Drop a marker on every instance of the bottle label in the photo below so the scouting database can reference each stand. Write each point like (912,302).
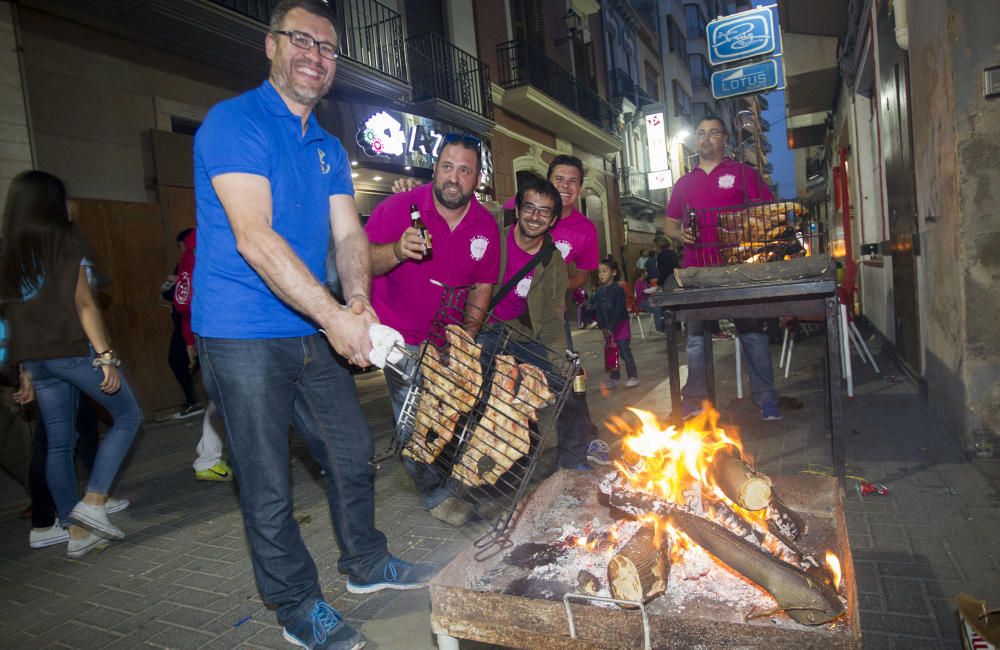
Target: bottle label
(580,383)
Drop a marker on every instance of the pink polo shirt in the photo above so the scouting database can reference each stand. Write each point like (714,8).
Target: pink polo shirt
(723,188)
(576,238)
(405,298)
(515,302)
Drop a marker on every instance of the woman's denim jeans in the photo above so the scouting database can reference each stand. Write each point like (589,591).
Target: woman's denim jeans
(260,387)
(58,383)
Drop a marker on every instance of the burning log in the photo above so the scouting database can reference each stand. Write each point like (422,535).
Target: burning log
(800,595)
(788,523)
(639,571)
(741,483)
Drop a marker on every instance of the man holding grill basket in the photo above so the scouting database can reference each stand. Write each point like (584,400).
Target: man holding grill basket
(718,182)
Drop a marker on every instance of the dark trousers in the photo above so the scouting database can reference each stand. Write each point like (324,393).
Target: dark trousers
(178,359)
(43,508)
(260,387)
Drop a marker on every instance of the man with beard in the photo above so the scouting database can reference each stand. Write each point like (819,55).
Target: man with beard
(406,289)
(717,182)
(272,187)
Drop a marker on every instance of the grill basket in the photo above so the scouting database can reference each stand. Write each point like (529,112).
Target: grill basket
(478,414)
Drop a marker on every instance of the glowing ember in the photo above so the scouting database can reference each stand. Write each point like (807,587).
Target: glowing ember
(833,564)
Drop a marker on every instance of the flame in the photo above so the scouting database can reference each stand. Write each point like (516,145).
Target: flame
(833,564)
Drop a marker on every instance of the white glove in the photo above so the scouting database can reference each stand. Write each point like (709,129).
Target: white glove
(387,345)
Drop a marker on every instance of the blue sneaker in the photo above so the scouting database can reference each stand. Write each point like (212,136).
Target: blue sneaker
(323,628)
(690,408)
(770,411)
(396,574)
(597,452)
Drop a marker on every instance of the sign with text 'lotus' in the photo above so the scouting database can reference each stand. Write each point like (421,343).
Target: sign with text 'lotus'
(745,35)
(746,79)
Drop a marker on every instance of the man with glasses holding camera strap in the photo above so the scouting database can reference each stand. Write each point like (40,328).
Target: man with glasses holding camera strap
(406,288)
(718,182)
(272,188)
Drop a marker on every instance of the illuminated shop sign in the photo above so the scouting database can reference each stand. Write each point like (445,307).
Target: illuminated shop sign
(656,142)
(410,140)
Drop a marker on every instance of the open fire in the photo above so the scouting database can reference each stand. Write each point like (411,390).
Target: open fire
(697,490)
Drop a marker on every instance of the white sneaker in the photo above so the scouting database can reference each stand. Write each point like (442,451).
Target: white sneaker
(113,505)
(42,537)
(95,519)
(632,382)
(84,545)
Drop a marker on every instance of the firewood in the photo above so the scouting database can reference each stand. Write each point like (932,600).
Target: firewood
(788,522)
(800,595)
(741,483)
(639,571)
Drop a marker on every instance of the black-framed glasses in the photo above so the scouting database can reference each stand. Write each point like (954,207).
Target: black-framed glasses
(304,41)
(711,133)
(528,209)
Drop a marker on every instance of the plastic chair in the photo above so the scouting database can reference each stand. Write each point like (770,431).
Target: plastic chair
(848,333)
(636,314)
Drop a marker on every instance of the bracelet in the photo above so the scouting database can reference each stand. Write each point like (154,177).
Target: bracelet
(106,358)
(396,253)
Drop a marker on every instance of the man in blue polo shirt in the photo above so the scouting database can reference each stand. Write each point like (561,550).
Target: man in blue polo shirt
(272,187)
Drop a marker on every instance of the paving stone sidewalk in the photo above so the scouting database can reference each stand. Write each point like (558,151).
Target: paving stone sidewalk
(182,578)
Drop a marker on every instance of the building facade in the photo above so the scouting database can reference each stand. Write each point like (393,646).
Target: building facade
(896,120)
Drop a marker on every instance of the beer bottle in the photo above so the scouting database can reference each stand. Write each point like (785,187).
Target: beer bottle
(691,223)
(579,381)
(418,223)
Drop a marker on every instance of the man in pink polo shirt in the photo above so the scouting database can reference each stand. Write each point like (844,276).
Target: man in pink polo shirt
(718,182)
(574,234)
(465,247)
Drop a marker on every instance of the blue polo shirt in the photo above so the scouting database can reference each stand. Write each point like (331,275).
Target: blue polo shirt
(255,133)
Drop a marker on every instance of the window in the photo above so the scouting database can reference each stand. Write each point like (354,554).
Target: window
(678,43)
(695,21)
(652,83)
(700,75)
(682,102)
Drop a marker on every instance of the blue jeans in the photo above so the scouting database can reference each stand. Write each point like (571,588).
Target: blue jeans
(755,351)
(574,429)
(432,486)
(260,386)
(58,383)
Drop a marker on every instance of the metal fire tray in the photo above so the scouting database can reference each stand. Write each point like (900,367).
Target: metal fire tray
(486,600)
(478,414)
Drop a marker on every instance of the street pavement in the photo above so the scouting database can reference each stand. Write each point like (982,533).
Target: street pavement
(182,578)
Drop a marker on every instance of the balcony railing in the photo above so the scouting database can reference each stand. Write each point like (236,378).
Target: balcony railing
(633,183)
(520,64)
(370,33)
(623,86)
(439,70)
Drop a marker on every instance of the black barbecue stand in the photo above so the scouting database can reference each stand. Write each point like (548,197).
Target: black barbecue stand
(813,298)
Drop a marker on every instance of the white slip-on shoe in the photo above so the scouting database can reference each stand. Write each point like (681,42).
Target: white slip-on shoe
(86,544)
(42,537)
(95,519)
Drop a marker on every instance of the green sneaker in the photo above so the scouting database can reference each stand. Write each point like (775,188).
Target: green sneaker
(218,472)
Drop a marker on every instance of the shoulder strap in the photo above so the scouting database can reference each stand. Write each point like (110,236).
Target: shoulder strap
(544,256)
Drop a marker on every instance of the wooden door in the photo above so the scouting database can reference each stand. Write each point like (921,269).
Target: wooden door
(897,152)
(128,243)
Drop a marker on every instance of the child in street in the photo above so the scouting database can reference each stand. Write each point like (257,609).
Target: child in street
(612,317)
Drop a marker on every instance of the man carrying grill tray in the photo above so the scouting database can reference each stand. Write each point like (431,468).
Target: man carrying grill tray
(718,182)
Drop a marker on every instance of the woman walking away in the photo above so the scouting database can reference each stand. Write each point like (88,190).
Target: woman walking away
(56,327)
(612,318)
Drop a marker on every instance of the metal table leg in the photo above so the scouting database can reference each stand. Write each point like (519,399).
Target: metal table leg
(709,364)
(673,367)
(835,414)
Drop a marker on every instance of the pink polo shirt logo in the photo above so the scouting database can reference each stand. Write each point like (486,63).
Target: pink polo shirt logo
(523,287)
(478,246)
(564,247)
(727,181)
